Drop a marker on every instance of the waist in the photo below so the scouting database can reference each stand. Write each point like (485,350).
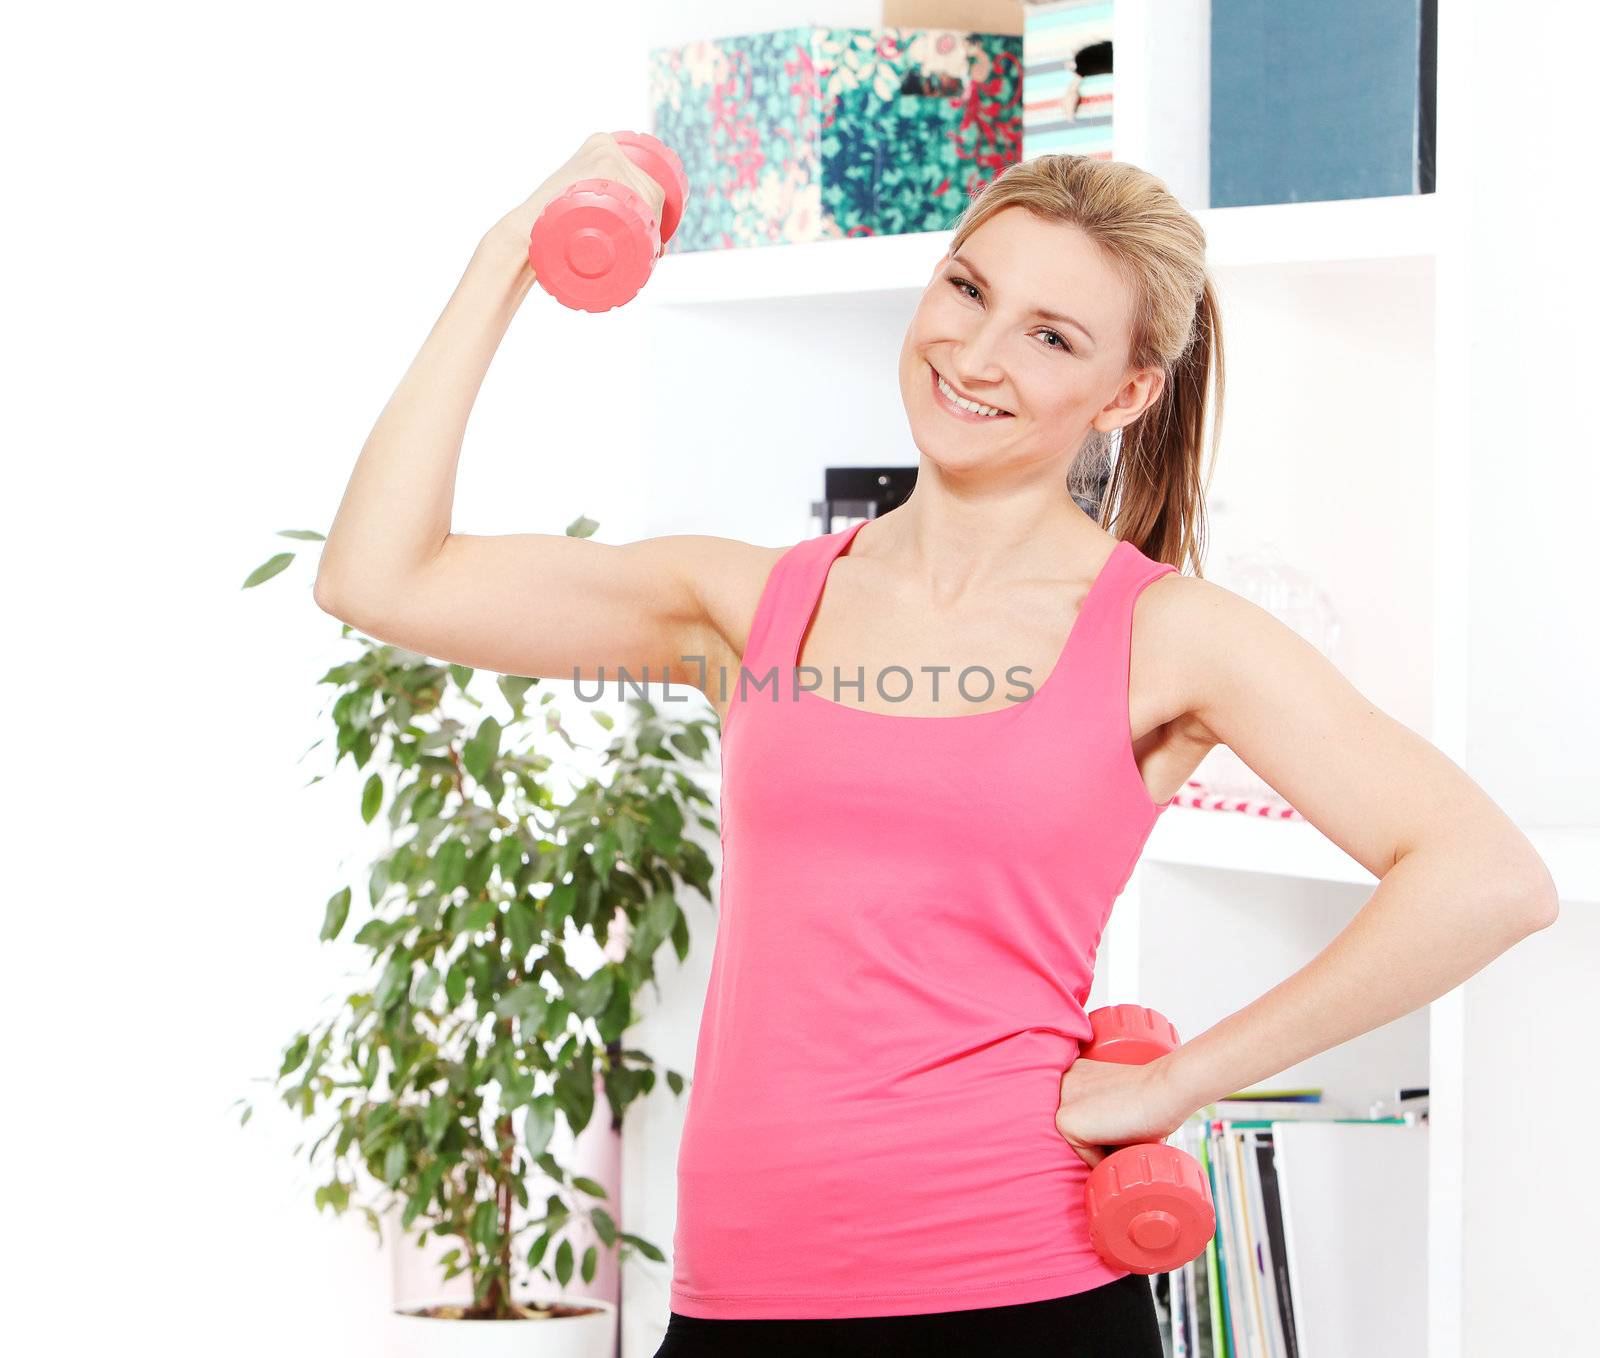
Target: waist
(942,1190)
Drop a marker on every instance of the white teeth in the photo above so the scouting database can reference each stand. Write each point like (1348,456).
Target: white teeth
(962,401)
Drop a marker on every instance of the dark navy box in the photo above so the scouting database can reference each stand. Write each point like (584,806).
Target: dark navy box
(1312,101)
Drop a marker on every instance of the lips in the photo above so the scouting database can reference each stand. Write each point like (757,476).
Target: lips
(937,376)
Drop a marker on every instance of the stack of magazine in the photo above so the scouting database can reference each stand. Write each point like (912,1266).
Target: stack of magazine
(1320,1249)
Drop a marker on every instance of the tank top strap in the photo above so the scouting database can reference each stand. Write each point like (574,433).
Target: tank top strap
(1100,658)
(788,599)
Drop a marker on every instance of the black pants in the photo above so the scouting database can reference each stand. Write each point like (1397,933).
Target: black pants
(1115,1320)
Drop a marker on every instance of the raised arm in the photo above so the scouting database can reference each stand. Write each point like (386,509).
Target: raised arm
(539,604)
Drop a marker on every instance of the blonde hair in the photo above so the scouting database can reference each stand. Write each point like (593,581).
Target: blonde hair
(1154,490)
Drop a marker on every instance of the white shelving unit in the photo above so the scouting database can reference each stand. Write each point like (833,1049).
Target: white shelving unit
(1365,400)
(1285,236)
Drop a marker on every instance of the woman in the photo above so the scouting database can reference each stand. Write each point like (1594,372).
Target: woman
(947,735)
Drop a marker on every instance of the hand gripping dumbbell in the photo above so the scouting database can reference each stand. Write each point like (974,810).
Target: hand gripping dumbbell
(594,244)
(1150,1208)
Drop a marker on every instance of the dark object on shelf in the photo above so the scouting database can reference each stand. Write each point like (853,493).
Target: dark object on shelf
(861,492)
(1095,59)
(1312,102)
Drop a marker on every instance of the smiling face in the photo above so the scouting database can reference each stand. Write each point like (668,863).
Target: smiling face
(979,326)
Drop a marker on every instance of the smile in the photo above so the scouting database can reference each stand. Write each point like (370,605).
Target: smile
(957,405)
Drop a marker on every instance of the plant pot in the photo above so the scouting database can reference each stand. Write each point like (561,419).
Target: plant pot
(590,1334)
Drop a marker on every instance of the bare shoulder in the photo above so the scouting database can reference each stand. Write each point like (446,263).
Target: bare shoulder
(729,575)
(1376,788)
(1187,634)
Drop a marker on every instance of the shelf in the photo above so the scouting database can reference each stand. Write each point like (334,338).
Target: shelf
(1273,235)
(1193,837)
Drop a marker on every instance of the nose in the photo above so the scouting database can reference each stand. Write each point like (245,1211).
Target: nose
(974,362)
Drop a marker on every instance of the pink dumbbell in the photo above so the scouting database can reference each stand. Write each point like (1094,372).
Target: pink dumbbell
(1150,1208)
(595,244)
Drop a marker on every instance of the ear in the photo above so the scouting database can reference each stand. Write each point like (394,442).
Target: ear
(1142,390)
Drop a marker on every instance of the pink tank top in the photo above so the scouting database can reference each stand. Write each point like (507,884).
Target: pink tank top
(910,911)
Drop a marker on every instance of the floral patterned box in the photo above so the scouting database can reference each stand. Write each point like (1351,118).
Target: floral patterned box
(816,133)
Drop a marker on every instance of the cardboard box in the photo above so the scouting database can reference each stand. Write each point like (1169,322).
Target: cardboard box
(815,133)
(969,16)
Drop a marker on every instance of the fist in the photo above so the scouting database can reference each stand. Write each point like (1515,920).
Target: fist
(1107,1104)
(600,157)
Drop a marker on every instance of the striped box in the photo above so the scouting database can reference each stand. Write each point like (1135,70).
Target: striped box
(1067,78)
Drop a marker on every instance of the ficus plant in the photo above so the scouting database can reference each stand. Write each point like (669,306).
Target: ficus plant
(440,1077)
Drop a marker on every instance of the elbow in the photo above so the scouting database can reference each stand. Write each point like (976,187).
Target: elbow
(327,599)
(1543,911)
(1541,898)
(342,603)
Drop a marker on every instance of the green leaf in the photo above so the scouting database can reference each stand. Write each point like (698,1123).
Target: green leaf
(527,1001)
(429,802)
(666,824)
(589,994)
(590,1259)
(574,1091)
(335,914)
(396,979)
(450,866)
(604,1226)
(479,753)
(302,534)
(480,866)
(479,915)
(436,1119)
(520,928)
(294,1053)
(539,1124)
(267,569)
(483,1230)
(371,797)
(644,1247)
(515,688)
(537,1249)
(614,1018)
(508,858)
(395,1160)
(588,1186)
(564,1263)
(581,527)
(462,674)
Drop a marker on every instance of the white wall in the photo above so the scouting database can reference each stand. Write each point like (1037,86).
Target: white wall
(231,229)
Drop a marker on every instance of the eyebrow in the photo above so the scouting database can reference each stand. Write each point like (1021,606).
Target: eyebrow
(1056,316)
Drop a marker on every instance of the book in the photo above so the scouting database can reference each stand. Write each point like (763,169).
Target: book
(1354,1196)
(1267,1168)
(1261,1245)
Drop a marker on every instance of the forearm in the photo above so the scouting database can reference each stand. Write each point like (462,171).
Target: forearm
(1431,923)
(395,514)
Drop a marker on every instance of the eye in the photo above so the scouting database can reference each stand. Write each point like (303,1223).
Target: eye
(960,284)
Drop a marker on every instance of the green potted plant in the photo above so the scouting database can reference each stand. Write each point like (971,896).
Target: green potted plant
(439,1079)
